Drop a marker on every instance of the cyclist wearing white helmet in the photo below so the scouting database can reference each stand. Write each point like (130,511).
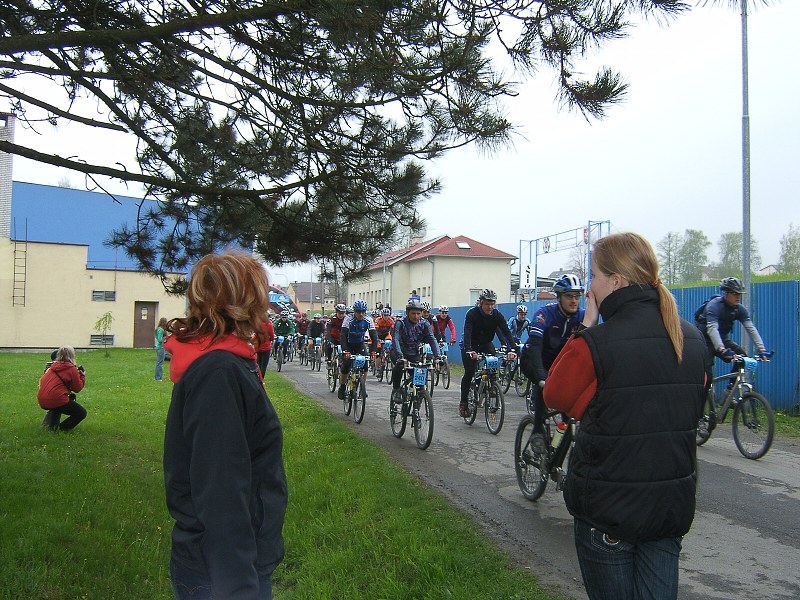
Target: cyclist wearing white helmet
(286,328)
(410,333)
(551,327)
(481,324)
(316,329)
(519,324)
(354,328)
(384,324)
(443,321)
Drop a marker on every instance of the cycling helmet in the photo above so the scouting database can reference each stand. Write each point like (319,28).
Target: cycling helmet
(444,308)
(413,305)
(386,312)
(426,306)
(523,309)
(285,314)
(487,294)
(568,283)
(317,316)
(340,308)
(349,310)
(360,305)
(732,284)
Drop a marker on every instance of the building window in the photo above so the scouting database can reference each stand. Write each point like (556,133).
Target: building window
(104,295)
(101,340)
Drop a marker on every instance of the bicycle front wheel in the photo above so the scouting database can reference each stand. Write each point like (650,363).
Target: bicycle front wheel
(333,376)
(531,468)
(494,407)
(318,358)
(423,419)
(279,358)
(707,421)
(753,425)
(359,399)
(505,378)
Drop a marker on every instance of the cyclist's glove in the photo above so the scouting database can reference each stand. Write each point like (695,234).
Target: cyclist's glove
(727,355)
(766,354)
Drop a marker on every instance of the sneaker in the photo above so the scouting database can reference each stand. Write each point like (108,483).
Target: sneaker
(463,410)
(537,443)
(341,392)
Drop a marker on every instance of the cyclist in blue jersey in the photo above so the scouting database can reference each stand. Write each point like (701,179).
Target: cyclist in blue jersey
(354,328)
(481,323)
(519,324)
(551,327)
(716,323)
(410,333)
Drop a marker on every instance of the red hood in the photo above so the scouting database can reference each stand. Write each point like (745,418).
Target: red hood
(185,353)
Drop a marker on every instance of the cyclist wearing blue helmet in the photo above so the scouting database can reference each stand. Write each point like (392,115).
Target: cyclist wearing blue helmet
(551,327)
(354,328)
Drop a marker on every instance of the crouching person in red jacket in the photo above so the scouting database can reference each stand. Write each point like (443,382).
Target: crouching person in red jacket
(57,389)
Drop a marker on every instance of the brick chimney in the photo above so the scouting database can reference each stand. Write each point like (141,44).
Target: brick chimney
(6,135)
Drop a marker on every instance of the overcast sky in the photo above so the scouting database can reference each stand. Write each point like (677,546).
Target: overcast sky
(668,158)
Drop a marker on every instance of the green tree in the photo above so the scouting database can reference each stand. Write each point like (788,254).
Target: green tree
(103,326)
(298,128)
(790,251)
(692,255)
(668,251)
(730,254)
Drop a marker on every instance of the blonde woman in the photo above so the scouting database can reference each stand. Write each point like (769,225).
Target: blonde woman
(57,389)
(636,383)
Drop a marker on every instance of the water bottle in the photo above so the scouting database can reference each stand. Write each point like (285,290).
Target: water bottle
(558,434)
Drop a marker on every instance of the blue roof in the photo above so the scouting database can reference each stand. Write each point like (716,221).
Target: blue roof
(45,213)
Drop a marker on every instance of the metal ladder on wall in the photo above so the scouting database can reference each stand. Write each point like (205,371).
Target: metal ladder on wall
(20,267)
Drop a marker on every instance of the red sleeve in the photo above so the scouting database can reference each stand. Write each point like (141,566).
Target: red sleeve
(452,329)
(76,379)
(571,382)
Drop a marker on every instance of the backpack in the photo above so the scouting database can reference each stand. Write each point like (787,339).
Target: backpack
(700,313)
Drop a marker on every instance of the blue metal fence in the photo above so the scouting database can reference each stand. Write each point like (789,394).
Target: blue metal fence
(774,308)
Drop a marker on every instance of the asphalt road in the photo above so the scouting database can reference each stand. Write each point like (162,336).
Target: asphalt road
(744,543)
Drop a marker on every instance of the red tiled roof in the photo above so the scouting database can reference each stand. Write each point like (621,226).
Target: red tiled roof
(441,246)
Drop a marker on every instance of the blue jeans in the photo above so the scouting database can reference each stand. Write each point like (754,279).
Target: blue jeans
(160,352)
(618,570)
(191,585)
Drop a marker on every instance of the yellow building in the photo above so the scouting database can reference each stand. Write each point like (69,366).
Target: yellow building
(445,270)
(49,298)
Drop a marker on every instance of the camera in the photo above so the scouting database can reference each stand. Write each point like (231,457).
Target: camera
(81,369)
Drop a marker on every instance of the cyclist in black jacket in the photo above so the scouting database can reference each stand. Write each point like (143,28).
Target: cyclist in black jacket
(481,324)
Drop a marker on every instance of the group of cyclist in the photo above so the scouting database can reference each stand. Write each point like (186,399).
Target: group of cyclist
(549,329)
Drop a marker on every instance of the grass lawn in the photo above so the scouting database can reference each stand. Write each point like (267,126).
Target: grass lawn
(82,514)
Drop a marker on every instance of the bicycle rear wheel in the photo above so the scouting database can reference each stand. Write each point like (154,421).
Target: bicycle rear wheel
(494,407)
(473,401)
(347,402)
(753,425)
(506,375)
(531,468)
(360,399)
(423,419)
(398,416)
(707,421)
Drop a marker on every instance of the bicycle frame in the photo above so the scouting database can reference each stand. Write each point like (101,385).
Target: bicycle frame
(742,384)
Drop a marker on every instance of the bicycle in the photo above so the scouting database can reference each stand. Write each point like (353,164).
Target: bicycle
(485,391)
(355,395)
(430,364)
(302,351)
(315,355)
(507,370)
(386,363)
(443,366)
(534,470)
(279,357)
(415,401)
(753,422)
(333,368)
